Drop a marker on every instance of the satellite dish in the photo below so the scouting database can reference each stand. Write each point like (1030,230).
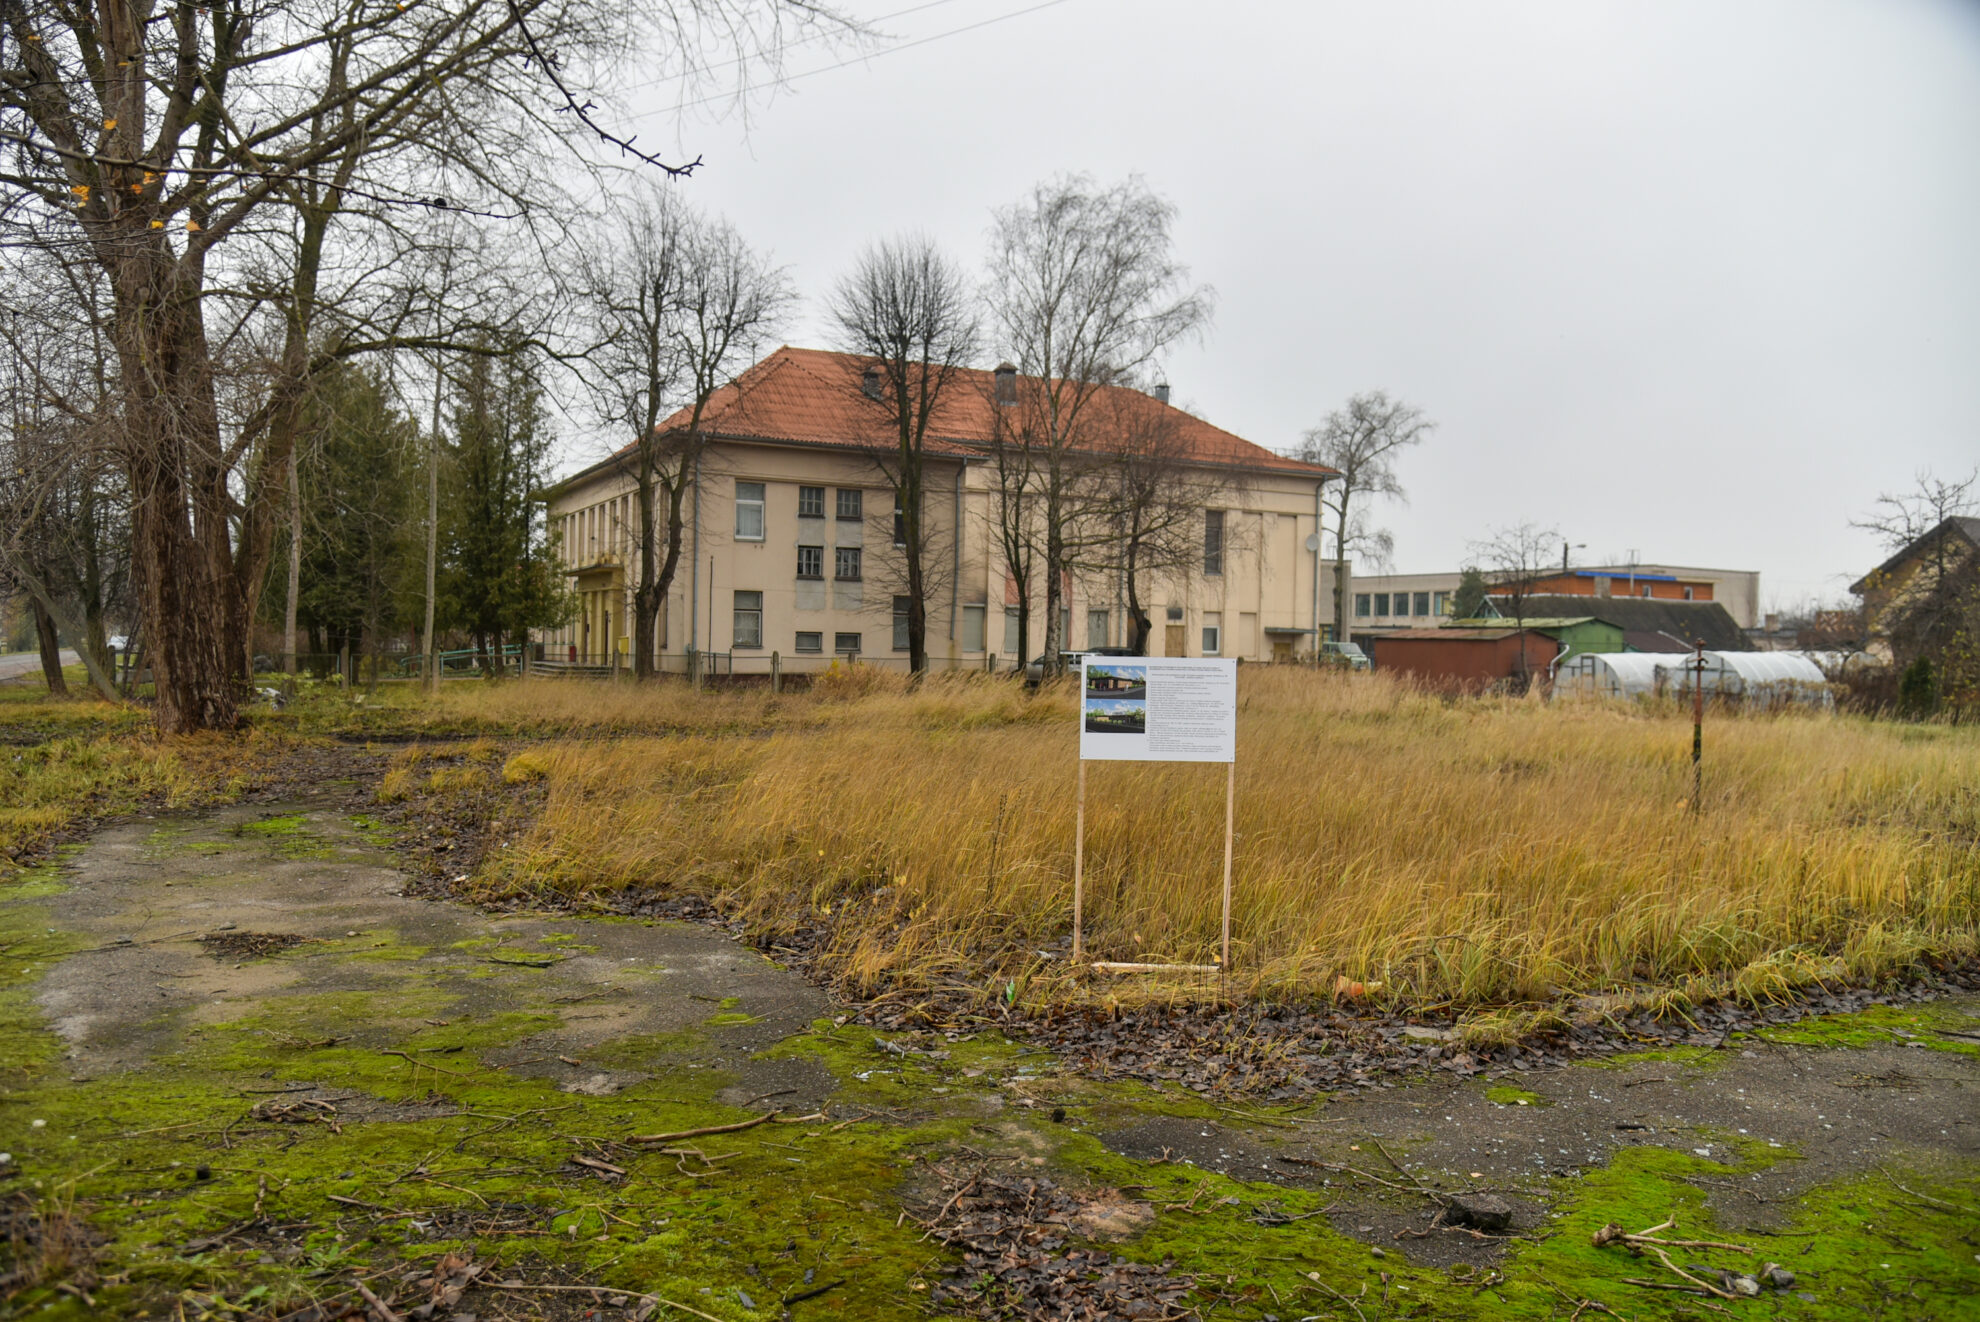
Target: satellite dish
(1313,541)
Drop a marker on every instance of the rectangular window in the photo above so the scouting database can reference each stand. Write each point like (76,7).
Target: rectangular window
(846,643)
(901,623)
(845,563)
(1096,629)
(1402,603)
(810,641)
(811,505)
(1381,603)
(811,562)
(1361,604)
(1687,594)
(1213,541)
(900,521)
(1013,626)
(972,628)
(1438,604)
(749,619)
(850,506)
(1213,633)
(749,511)
(1645,592)
(1422,603)
(1174,614)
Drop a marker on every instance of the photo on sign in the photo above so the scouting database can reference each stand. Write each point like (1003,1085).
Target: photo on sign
(1128,683)
(1117,715)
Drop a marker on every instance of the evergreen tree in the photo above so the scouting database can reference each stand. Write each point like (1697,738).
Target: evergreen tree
(498,579)
(1468,602)
(360,521)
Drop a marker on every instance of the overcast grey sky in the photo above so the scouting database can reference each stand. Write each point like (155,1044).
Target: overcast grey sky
(1696,279)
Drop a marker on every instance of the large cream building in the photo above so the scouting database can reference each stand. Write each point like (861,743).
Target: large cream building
(789,547)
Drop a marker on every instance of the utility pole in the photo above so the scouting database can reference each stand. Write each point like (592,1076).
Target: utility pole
(433,528)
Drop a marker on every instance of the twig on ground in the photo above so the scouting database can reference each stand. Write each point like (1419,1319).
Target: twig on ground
(1927,1197)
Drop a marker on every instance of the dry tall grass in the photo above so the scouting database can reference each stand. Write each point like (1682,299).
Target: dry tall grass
(1471,852)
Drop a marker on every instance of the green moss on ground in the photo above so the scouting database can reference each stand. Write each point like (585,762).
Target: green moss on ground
(1926,1025)
(1504,1095)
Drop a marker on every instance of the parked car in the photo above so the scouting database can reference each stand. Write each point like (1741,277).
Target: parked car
(1035,670)
(1347,656)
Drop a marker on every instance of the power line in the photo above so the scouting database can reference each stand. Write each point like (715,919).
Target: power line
(862,59)
(801,41)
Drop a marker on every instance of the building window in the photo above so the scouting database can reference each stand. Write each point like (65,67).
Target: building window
(1174,614)
(811,562)
(1381,603)
(811,505)
(1687,594)
(1644,591)
(749,511)
(1402,604)
(810,641)
(1013,626)
(1213,633)
(1213,541)
(1439,604)
(1361,605)
(845,563)
(1422,603)
(749,620)
(1096,629)
(972,628)
(900,521)
(901,624)
(846,643)
(850,507)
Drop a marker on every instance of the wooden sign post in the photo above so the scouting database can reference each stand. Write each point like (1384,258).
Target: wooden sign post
(1156,709)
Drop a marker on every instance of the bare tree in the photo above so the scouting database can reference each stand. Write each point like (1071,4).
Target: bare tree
(149,140)
(1085,295)
(1362,441)
(1515,558)
(686,305)
(907,312)
(1158,501)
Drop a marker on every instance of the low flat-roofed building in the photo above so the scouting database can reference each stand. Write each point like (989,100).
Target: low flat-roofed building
(1402,601)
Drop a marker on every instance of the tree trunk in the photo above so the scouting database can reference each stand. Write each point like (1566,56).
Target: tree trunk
(917,581)
(51,651)
(295,566)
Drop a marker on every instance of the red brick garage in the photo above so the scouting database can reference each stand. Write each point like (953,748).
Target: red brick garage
(1464,660)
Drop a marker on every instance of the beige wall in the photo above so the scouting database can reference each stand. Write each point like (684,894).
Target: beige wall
(1266,583)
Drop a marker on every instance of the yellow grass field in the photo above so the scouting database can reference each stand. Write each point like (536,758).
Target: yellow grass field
(1471,853)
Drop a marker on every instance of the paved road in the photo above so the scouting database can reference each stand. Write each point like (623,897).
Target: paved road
(13,665)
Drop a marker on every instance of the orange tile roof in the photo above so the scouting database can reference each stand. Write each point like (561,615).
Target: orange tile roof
(812,397)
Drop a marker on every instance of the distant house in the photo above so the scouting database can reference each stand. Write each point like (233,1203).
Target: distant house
(1465,660)
(1401,601)
(1575,634)
(1648,624)
(1913,595)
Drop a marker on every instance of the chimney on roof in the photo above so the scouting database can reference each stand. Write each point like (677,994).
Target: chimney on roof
(1162,393)
(1006,379)
(869,384)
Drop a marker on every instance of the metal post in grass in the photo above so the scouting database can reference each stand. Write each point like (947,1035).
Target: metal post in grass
(776,673)
(1697,724)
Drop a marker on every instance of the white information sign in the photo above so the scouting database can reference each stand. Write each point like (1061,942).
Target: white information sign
(1157,709)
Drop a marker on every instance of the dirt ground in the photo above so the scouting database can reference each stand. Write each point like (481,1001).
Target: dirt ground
(240,1024)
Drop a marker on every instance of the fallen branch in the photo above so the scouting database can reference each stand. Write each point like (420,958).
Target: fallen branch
(378,1306)
(1615,1234)
(598,1290)
(1927,1197)
(735,1128)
